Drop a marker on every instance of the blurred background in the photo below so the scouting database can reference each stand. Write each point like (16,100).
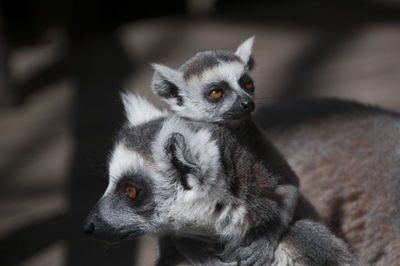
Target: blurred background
(63,63)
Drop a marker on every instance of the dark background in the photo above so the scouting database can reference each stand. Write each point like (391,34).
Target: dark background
(63,63)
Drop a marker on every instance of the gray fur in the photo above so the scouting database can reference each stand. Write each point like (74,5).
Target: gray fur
(129,137)
(257,189)
(256,212)
(252,138)
(311,243)
(353,151)
(261,250)
(206,60)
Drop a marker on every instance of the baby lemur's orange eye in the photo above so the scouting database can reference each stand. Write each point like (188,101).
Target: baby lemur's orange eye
(249,85)
(131,192)
(216,94)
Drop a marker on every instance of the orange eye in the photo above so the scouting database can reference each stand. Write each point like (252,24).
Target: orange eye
(249,86)
(216,94)
(131,192)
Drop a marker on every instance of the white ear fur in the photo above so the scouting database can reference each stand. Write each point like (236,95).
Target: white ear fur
(244,49)
(164,73)
(138,110)
(199,144)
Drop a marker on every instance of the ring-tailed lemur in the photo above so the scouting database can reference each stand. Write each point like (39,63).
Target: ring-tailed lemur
(215,86)
(212,86)
(216,201)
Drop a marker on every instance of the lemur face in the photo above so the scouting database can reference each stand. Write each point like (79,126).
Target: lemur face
(164,175)
(211,86)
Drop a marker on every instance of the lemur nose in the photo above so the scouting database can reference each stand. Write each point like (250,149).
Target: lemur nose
(88,227)
(248,105)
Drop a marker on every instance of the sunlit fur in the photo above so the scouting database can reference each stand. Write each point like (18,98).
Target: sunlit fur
(138,110)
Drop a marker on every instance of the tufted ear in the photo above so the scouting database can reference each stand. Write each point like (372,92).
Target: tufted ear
(138,110)
(244,52)
(166,83)
(182,159)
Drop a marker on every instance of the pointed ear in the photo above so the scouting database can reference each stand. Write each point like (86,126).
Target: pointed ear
(138,110)
(244,52)
(181,159)
(166,83)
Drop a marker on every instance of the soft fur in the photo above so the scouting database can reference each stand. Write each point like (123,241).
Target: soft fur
(215,201)
(186,89)
(188,100)
(347,157)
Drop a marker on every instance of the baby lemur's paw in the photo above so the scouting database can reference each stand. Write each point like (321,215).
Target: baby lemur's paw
(258,252)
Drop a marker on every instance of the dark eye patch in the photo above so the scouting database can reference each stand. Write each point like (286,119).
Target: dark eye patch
(222,86)
(246,83)
(132,181)
(143,203)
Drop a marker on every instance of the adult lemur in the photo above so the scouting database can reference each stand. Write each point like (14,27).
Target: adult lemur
(196,183)
(347,156)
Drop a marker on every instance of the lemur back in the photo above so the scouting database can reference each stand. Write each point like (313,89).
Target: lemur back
(353,151)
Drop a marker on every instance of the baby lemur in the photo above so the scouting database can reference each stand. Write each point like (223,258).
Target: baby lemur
(196,184)
(215,86)
(212,86)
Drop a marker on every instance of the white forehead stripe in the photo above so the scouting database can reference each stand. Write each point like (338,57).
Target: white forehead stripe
(124,160)
(223,71)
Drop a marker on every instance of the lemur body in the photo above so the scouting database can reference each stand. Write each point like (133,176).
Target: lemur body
(195,183)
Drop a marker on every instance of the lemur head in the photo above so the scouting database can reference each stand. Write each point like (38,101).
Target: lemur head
(168,174)
(211,86)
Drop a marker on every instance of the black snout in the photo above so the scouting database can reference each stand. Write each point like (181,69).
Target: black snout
(99,228)
(248,105)
(92,225)
(88,227)
(90,221)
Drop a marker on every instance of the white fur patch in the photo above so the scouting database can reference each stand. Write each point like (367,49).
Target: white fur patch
(172,75)
(199,143)
(238,223)
(197,205)
(196,107)
(244,50)
(122,160)
(284,256)
(230,72)
(138,110)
